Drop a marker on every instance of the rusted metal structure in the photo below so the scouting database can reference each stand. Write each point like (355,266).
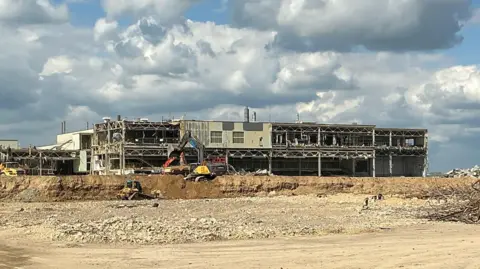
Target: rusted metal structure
(281,148)
(41,161)
(316,149)
(124,146)
(133,145)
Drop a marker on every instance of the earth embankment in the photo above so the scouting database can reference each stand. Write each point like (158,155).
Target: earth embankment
(68,188)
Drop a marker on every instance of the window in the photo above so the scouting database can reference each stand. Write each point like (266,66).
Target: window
(216,137)
(238,138)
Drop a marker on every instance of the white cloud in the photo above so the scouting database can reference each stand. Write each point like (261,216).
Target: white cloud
(57,65)
(475,17)
(166,11)
(104,28)
(450,96)
(344,24)
(32,12)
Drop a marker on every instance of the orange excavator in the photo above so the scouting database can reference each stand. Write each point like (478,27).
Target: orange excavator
(176,163)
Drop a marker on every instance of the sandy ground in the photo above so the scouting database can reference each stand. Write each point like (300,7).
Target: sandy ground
(255,232)
(420,246)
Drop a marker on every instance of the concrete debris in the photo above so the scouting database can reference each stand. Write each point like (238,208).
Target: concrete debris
(470,172)
(183,221)
(141,230)
(259,172)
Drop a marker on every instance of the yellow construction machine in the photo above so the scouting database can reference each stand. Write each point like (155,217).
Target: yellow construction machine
(202,172)
(133,191)
(176,163)
(12,169)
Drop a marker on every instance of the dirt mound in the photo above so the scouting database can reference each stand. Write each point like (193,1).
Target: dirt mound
(33,188)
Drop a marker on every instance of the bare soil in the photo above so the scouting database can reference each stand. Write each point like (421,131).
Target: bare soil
(253,232)
(434,245)
(81,188)
(272,222)
(183,221)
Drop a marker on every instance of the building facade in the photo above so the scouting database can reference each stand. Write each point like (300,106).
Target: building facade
(9,143)
(121,146)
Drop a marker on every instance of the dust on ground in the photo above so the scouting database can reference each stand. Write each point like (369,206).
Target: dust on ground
(12,257)
(182,221)
(431,246)
(305,231)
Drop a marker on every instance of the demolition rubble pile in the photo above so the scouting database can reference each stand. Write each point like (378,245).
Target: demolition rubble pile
(259,172)
(179,221)
(470,172)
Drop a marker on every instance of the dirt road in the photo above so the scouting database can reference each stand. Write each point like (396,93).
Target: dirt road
(421,246)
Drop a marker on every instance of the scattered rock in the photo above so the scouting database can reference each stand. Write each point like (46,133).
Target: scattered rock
(182,221)
(28,195)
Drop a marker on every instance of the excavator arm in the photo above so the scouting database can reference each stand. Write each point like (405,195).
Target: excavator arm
(177,152)
(169,161)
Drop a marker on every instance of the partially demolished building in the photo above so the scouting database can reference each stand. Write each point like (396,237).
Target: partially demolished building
(121,146)
(124,146)
(128,146)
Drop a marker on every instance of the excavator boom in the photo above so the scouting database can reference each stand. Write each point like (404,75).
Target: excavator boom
(177,153)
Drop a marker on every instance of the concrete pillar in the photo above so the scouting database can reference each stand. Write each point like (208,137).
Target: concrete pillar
(227,152)
(354,164)
(122,148)
(373,159)
(425,158)
(390,164)
(92,159)
(373,165)
(107,147)
(299,166)
(425,166)
(319,137)
(319,164)
(270,157)
(373,138)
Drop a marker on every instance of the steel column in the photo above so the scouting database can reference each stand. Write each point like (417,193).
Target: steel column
(319,164)
(373,159)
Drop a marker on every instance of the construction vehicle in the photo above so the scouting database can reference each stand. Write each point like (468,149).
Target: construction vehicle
(12,169)
(202,172)
(176,163)
(176,166)
(133,191)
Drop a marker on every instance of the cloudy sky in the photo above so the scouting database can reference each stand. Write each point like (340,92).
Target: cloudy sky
(403,63)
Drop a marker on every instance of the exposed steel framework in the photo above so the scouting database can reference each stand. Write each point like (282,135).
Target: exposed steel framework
(119,145)
(322,144)
(38,162)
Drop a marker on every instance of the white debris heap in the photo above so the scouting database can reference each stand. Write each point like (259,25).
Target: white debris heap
(470,172)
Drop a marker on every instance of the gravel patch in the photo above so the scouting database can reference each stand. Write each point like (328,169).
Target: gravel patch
(181,221)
